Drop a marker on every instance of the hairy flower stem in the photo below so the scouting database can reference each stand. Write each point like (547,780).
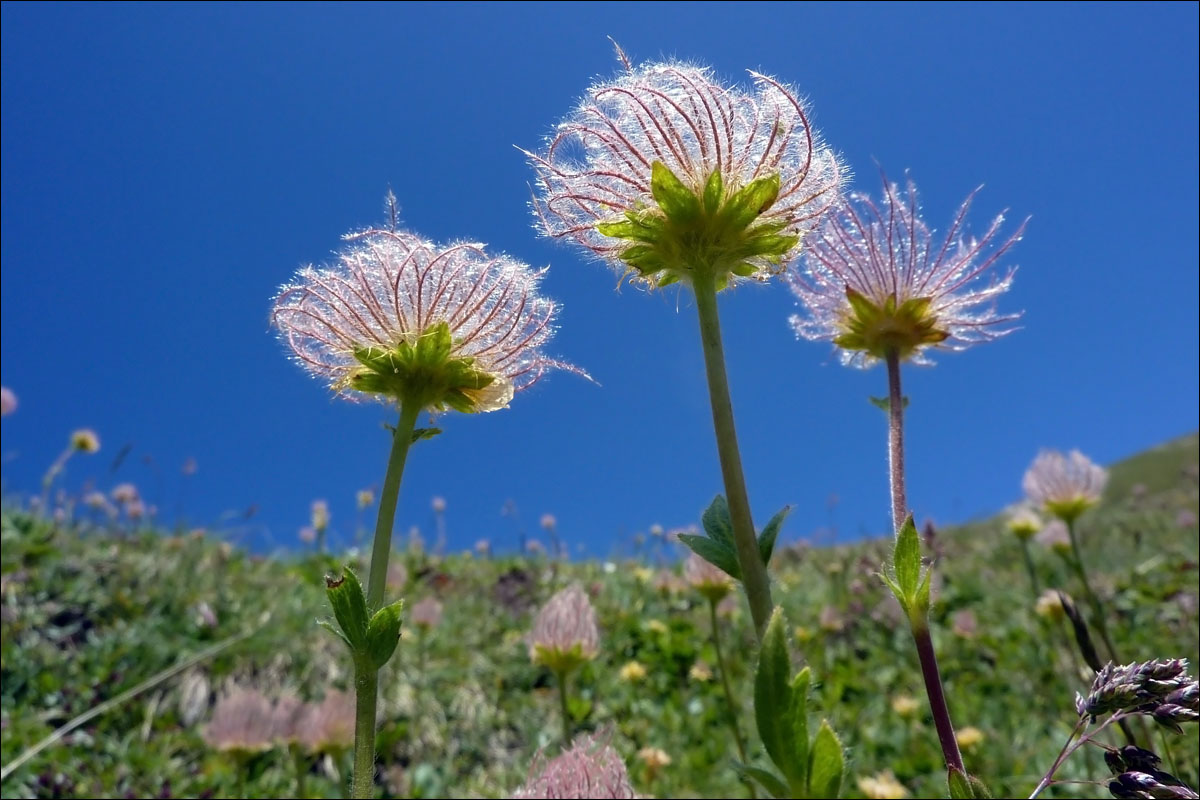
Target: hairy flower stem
(50,476)
(381,548)
(1097,609)
(366,678)
(920,626)
(1033,578)
(754,572)
(566,711)
(733,721)
(366,691)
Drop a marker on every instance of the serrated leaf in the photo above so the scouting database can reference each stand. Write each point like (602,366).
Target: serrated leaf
(383,633)
(906,560)
(826,765)
(770,532)
(798,774)
(349,607)
(677,201)
(718,523)
(773,695)
(714,553)
(774,786)
(960,787)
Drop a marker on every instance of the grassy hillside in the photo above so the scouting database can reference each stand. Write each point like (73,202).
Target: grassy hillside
(89,613)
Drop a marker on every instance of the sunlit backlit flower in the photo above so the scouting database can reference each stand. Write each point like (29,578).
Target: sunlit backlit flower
(404,320)
(590,768)
(564,633)
(1065,484)
(969,737)
(438,504)
(665,171)
(655,758)
(875,280)
(700,672)
(549,522)
(8,401)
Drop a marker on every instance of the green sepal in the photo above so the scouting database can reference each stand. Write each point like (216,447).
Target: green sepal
(422,372)
(714,191)
(750,201)
(773,696)
(383,633)
(677,201)
(349,607)
(560,662)
(827,763)
(633,228)
(769,533)
(768,780)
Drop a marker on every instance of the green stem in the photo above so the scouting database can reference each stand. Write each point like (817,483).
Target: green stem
(300,763)
(733,721)
(48,479)
(366,677)
(381,548)
(1033,578)
(566,712)
(366,690)
(754,572)
(1093,599)
(920,627)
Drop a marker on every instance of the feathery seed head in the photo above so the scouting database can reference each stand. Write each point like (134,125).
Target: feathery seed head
(632,671)
(564,634)
(403,319)
(320,515)
(365,498)
(85,440)
(242,721)
(1065,485)
(591,768)
(875,281)
(8,401)
(665,171)
(426,614)
(1056,537)
(708,579)
(1023,522)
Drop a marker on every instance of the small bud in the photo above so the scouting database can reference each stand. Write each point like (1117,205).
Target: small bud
(85,440)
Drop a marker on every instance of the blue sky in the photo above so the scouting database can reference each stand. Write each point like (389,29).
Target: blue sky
(167,167)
